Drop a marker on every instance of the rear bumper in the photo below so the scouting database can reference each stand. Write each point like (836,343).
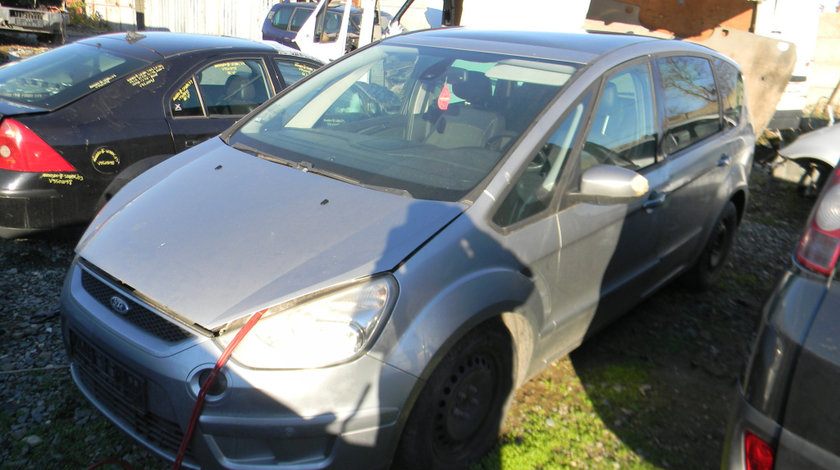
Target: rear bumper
(792,452)
(41,205)
(745,418)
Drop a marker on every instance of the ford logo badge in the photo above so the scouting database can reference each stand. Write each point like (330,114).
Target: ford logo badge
(119,305)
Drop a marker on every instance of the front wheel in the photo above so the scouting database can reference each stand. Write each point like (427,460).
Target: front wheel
(708,267)
(459,412)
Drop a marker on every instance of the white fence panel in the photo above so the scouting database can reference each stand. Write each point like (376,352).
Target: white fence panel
(240,18)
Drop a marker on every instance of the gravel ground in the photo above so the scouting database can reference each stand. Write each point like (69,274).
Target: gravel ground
(43,418)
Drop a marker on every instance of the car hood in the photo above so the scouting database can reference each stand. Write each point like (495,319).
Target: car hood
(821,144)
(228,233)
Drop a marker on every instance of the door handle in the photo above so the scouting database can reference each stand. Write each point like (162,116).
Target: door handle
(725,160)
(655,200)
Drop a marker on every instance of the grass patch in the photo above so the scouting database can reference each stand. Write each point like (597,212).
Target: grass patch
(566,423)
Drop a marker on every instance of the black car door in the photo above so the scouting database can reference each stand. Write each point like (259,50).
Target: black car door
(215,95)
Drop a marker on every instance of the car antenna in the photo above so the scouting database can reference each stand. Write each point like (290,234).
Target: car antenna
(133,36)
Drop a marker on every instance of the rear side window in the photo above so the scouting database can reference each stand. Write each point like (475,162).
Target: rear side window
(185,101)
(731,88)
(691,101)
(226,88)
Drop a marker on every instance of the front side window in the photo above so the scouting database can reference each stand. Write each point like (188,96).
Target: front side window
(429,122)
(57,77)
(691,101)
(233,87)
(299,17)
(327,26)
(535,188)
(731,86)
(623,131)
(281,18)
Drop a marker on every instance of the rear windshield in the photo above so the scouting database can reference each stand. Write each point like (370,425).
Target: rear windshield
(427,122)
(60,76)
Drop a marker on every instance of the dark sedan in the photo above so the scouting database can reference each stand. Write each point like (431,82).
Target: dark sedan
(78,122)
(787,415)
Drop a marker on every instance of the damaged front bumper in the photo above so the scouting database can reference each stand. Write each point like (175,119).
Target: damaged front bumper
(144,373)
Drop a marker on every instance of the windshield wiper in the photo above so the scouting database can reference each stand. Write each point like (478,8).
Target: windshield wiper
(307,167)
(258,153)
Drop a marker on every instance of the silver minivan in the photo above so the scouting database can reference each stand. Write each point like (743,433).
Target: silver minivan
(394,244)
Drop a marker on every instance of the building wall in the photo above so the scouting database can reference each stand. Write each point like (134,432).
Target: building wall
(825,75)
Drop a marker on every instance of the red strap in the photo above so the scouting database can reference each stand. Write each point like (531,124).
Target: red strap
(202,393)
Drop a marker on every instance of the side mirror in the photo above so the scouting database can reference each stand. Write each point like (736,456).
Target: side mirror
(608,184)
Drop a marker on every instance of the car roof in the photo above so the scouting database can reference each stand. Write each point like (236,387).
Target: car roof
(166,44)
(581,47)
(311,6)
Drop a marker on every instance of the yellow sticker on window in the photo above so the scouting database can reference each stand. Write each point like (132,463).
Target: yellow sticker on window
(183,94)
(230,68)
(304,69)
(146,77)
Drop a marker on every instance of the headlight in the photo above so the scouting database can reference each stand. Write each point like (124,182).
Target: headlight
(322,330)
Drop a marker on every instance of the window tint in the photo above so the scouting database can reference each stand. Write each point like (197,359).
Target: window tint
(623,129)
(731,86)
(298,18)
(533,191)
(293,70)
(691,103)
(185,101)
(234,87)
(281,18)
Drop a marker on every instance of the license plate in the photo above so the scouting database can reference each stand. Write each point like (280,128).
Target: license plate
(108,379)
(27,23)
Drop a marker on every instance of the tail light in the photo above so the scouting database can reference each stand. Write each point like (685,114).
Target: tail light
(819,246)
(758,454)
(22,150)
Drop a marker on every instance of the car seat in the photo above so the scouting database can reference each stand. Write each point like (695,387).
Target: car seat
(468,123)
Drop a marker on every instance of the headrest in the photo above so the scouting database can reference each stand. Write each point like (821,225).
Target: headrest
(473,87)
(240,87)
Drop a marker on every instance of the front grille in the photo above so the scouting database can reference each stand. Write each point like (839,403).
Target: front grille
(123,394)
(136,313)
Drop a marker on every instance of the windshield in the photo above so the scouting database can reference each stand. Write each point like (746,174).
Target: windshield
(57,77)
(429,122)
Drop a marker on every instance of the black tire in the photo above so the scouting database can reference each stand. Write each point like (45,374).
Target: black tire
(708,267)
(458,415)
